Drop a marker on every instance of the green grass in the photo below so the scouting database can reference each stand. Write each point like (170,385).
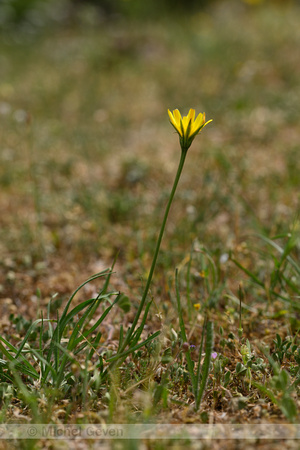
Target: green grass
(88,158)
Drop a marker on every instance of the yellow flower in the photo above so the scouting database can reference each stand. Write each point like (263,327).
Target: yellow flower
(187,127)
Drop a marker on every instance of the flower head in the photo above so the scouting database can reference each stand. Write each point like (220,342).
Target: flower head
(187,127)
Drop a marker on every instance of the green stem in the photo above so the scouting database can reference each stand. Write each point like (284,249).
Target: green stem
(146,290)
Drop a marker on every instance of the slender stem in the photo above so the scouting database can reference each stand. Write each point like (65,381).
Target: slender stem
(146,290)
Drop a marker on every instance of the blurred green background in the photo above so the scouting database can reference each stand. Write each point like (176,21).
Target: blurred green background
(39,13)
(88,157)
(87,152)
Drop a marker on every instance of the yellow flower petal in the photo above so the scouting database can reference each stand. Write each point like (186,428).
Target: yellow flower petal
(185,122)
(198,122)
(188,120)
(172,119)
(177,116)
(175,120)
(191,115)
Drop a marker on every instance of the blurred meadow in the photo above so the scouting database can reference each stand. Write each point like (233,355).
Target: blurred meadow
(88,158)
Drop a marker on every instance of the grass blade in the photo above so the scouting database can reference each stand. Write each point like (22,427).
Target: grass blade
(205,369)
